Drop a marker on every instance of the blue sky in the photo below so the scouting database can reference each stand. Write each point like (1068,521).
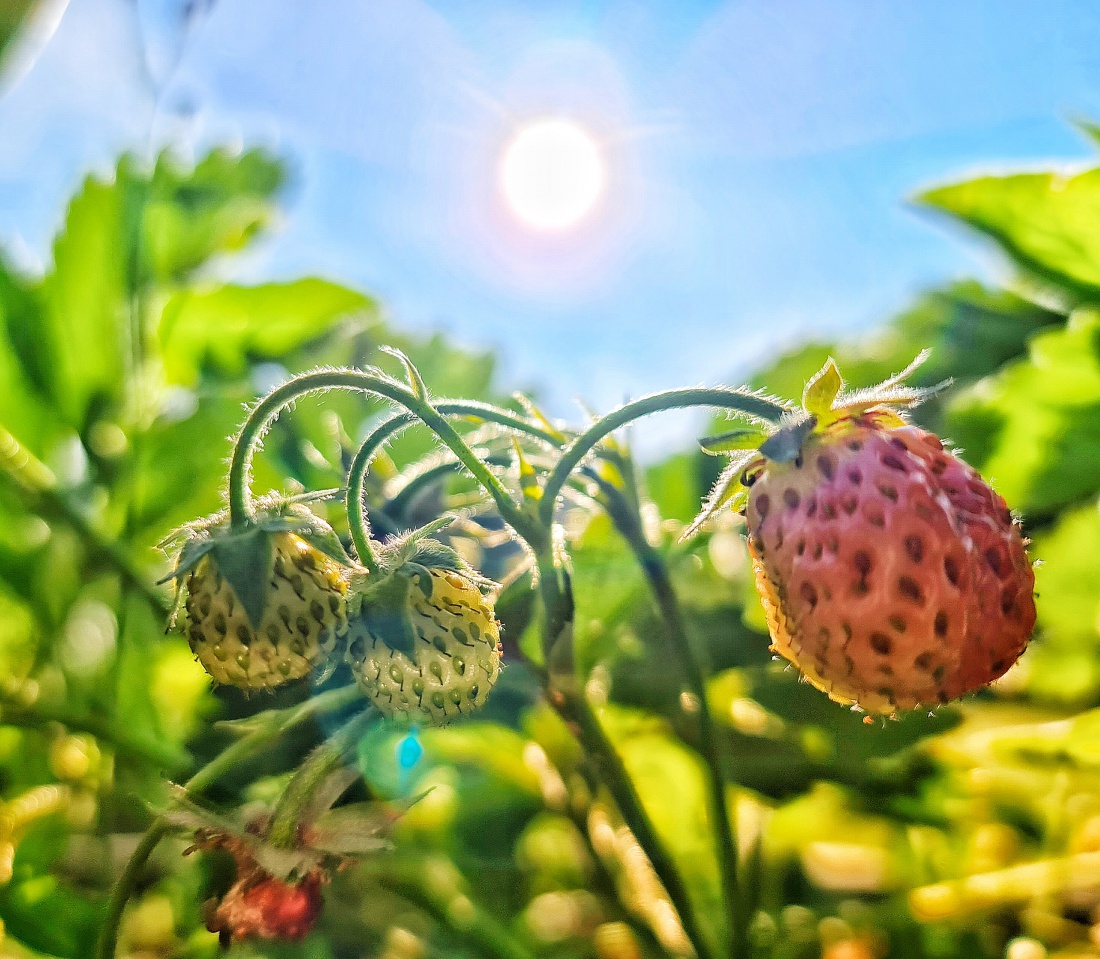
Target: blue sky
(759,154)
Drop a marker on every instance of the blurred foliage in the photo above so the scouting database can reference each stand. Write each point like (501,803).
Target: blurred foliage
(125,367)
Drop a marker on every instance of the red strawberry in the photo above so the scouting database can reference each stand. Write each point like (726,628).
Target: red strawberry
(259,906)
(892,575)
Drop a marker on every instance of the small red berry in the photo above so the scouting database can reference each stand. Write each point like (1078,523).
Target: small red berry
(260,906)
(892,575)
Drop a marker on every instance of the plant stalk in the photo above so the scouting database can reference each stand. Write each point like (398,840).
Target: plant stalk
(323,761)
(374,383)
(749,404)
(629,525)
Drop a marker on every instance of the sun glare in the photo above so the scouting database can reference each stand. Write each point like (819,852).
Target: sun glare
(552,174)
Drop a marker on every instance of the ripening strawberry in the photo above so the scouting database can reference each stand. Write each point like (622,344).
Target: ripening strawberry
(425,643)
(263,605)
(892,575)
(264,907)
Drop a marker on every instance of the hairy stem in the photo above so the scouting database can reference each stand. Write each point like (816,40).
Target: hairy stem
(567,696)
(357,519)
(629,524)
(324,760)
(377,384)
(576,710)
(749,404)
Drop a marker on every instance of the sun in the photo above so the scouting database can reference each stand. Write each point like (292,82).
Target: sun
(552,174)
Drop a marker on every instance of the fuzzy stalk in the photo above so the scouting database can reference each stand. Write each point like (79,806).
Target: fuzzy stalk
(241,510)
(748,404)
(624,515)
(319,765)
(358,525)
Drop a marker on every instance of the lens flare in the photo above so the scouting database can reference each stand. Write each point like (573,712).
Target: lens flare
(552,174)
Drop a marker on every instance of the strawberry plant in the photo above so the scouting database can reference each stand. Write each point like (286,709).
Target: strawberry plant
(464,680)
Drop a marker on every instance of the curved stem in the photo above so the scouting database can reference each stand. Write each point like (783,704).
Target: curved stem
(358,525)
(720,397)
(263,414)
(357,519)
(576,709)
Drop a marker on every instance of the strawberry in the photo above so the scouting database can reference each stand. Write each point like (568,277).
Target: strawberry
(423,641)
(264,604)
(892,575)
(263,907)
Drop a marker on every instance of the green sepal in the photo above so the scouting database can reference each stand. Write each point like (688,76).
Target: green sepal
(785,444)
(386,612)
(528,479)
(246,560)
(538,416)
(822,389)
(403,549)
(726,489)
(355,829)
(732,441)
(291,517)
(416,381)
(192,551)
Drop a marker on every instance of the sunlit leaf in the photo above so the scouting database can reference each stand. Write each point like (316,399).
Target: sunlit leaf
(1034,427)
(231,326)
(89,325)
(219,206)
(1045,221)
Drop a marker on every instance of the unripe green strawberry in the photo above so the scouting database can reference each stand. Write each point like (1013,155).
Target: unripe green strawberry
(262,606)
(425,645)
(892,575)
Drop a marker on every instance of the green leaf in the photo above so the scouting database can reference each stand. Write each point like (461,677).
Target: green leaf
(1067,580)
(49,917)
(220,206)
(24,403)
(1044,221)
(231,326)
(87,332)
(1034,427)
(822,389)
(14,15)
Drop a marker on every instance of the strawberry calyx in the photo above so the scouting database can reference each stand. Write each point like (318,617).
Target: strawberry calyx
(276,890)
(384,599)
(826,408)
(245,554)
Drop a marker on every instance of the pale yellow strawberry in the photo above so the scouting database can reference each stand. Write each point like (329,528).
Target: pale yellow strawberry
(455,653)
